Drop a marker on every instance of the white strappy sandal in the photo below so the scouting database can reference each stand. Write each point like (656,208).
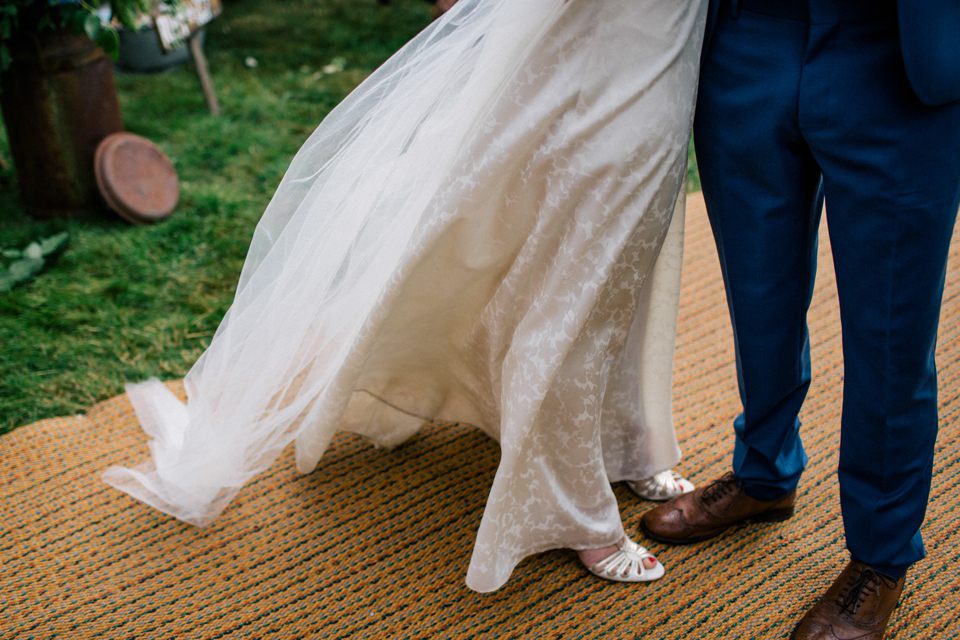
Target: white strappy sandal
(662,486)
(626,564)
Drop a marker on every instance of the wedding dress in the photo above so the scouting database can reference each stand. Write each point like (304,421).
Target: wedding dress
(480,232)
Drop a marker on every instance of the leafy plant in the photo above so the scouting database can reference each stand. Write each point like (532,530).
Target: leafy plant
(21,21)
(27,262)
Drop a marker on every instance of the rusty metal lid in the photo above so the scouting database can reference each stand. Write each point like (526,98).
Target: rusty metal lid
(135,178)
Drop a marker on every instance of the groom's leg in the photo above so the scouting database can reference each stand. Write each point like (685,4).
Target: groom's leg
(891,170)
(760,186)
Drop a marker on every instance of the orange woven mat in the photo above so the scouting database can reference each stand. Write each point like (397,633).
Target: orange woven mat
(375,543)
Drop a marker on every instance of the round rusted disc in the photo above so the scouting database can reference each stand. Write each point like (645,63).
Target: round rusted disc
(135,178)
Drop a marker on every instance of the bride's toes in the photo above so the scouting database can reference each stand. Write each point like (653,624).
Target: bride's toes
(628,562)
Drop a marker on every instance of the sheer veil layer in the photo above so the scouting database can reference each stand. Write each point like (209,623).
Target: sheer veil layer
(480,232)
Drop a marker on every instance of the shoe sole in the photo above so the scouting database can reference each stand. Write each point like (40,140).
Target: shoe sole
(774,515)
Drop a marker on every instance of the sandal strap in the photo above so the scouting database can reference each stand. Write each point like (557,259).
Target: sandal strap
(660,486)
(624,564)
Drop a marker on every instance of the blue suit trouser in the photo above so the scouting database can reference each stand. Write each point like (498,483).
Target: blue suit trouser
(791,113)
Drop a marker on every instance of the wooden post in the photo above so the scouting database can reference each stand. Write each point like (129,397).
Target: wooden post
(200,62)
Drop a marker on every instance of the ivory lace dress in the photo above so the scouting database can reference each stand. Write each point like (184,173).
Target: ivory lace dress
(480,232)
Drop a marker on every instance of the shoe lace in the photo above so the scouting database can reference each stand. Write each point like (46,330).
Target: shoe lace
(719,488)
(859,588)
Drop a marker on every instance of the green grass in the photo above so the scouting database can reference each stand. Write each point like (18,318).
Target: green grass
(123,303)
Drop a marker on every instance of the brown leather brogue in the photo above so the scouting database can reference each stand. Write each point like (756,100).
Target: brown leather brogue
(856,606)
(708,511)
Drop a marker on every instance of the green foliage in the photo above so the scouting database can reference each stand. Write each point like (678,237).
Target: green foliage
(27,262)
(20,20)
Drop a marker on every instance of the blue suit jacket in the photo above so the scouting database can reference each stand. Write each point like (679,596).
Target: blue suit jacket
(929,41)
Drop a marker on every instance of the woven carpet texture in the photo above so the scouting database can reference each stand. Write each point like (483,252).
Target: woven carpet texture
(375,543)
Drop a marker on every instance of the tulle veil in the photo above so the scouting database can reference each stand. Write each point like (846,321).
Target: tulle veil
(328,241)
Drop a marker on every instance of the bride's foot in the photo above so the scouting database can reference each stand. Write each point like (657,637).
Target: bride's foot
(625,561)
(662,486)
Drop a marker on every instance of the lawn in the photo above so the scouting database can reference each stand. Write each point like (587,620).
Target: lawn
(123,303)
